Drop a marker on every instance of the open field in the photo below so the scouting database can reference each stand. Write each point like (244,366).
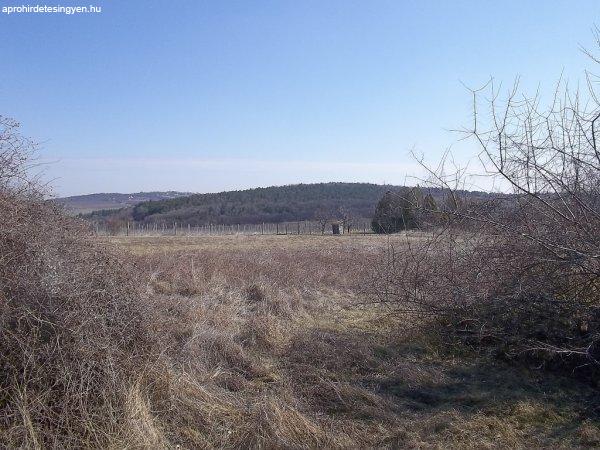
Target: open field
(152,244)
(282,355)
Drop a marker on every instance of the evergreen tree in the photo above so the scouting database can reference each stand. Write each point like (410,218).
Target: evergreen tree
(429,203)
(396,211)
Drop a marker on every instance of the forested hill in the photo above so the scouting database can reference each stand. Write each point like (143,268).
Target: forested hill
(272,204)
(81,204)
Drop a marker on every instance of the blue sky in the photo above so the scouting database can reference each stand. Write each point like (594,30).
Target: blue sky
(216,95)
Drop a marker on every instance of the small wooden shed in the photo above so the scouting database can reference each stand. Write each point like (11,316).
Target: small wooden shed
(335,227)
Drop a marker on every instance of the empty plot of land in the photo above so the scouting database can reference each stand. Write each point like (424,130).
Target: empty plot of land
(362,243)
(281,336)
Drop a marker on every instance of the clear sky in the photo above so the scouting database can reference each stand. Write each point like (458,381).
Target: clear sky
(217,95)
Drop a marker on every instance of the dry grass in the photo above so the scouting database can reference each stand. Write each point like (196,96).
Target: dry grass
(263,348)
(167,244)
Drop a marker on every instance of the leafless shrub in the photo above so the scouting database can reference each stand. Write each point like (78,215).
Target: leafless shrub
(521,270)
(71,321)
(16,158)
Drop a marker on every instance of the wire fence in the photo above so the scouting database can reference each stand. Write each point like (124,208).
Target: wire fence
(361,226)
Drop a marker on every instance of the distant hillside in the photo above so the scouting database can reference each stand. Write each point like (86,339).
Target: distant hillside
(81,204)
(272,204)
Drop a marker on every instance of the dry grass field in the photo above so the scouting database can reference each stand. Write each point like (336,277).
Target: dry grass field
(283,355)
(291,242)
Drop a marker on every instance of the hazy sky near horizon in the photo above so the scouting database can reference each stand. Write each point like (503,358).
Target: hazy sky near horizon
(216,95)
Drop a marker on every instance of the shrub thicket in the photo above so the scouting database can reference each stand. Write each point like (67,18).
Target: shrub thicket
(518,274)
(72,321)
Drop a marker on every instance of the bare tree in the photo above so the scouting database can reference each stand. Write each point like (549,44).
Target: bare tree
(346,218)
(323,217)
